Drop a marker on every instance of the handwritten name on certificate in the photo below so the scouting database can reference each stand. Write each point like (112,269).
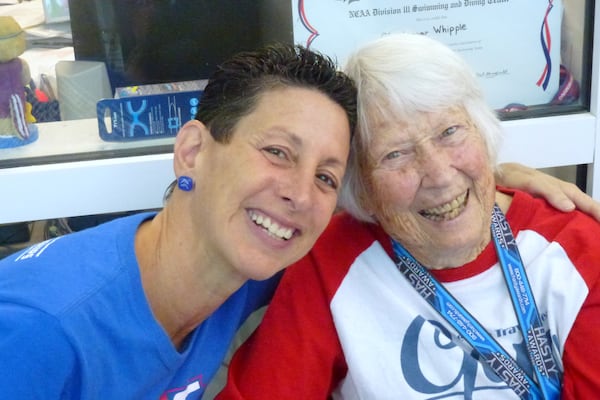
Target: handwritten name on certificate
(512,45)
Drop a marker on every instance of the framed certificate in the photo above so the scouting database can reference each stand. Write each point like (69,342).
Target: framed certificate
(512,45)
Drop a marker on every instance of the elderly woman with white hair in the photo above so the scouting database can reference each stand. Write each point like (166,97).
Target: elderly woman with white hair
(435,282)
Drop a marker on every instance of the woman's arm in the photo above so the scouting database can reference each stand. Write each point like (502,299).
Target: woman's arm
(564,196)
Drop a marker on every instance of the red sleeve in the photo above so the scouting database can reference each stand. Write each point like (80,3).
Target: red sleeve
(581,356)
(295,353)
(578,234)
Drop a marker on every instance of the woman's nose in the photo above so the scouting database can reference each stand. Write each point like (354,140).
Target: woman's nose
(436,166)
(297,190)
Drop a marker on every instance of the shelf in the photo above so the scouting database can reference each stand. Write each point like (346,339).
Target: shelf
(77,140)
(550,141)
(137,182)
(70,171)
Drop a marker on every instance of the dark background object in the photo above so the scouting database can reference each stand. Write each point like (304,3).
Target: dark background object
(157,41)
(14,233)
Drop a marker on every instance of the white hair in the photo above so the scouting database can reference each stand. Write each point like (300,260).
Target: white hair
(404,74)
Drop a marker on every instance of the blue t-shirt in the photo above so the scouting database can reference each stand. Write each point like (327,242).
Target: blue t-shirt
(75,323)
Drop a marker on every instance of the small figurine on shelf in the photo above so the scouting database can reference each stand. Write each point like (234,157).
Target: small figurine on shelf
(16,121)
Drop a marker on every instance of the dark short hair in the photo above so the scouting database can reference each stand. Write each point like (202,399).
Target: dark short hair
(234,88)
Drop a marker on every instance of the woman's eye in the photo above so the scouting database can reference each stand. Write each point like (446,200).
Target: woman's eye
(329,181)
(450,131)
(276,152)
(392,155)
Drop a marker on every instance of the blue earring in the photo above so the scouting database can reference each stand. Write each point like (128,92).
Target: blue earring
(185,183)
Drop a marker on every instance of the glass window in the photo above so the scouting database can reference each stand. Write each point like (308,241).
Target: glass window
(534,58)
(530,55)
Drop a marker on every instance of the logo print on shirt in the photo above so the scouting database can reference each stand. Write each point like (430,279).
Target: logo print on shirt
(464,382)
(194,387)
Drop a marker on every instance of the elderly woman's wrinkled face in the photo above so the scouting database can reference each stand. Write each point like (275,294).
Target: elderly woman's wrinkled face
(432,186)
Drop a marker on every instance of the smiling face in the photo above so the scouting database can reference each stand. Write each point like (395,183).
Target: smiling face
(270,191)
(432,186)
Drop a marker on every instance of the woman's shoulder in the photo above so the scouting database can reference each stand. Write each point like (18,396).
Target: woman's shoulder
(59,272)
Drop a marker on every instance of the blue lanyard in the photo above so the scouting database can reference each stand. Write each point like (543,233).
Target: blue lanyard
(537,338)
(535,335)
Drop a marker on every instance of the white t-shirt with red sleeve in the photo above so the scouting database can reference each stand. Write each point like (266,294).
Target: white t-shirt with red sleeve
(346,323)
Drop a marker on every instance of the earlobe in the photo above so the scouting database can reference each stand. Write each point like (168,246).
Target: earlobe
(190,140)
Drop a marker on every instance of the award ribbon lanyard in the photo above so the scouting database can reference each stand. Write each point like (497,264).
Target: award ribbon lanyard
(535,335)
